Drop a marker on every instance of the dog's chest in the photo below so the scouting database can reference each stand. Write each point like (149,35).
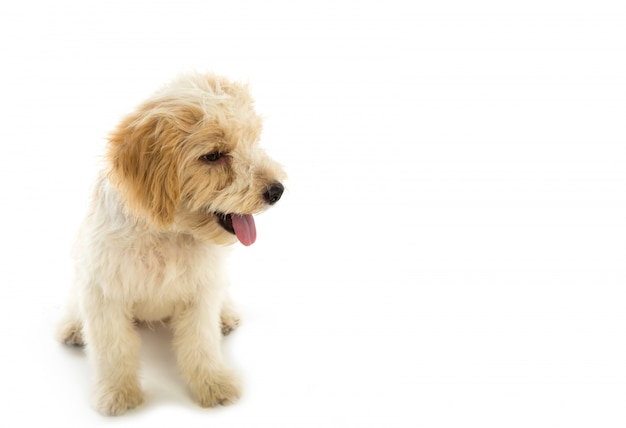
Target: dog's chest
(165,269)
(165,258)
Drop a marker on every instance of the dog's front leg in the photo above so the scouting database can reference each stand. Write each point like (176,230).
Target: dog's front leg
(197,343)
(114,346)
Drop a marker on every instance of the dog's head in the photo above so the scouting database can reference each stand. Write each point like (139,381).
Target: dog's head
(189,160)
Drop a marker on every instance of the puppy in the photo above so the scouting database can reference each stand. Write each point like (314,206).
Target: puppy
(182,178)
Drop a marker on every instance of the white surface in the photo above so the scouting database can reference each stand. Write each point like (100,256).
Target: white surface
(449,253)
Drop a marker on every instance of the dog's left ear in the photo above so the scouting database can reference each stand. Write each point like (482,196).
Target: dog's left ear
(144,154)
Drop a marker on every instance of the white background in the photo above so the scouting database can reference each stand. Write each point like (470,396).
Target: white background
(451,248)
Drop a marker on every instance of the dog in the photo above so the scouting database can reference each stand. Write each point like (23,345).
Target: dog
(182,177)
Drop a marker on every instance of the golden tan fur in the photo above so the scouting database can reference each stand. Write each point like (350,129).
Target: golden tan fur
(152,245)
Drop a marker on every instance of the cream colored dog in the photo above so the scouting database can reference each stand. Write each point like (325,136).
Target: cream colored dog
(183,176)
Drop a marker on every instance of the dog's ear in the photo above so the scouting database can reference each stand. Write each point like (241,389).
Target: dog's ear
(144,154)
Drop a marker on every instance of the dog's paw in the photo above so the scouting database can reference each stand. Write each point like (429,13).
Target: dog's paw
(222,388)
(229,323)
(116,401)
(70,333)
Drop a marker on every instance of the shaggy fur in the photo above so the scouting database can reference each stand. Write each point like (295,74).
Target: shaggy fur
(182,178)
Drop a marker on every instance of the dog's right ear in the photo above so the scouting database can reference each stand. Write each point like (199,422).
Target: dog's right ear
(144,156)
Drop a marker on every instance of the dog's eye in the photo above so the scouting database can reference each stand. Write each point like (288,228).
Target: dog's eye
(211,157)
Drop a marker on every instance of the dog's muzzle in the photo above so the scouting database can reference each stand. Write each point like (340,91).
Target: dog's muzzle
(242,225)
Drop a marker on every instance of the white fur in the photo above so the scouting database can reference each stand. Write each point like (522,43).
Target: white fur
(125,272)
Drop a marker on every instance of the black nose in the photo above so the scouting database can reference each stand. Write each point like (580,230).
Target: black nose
(273,193)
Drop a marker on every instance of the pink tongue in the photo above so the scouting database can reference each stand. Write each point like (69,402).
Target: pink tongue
(244,228)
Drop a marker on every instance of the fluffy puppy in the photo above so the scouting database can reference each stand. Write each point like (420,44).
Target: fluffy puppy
(183,176)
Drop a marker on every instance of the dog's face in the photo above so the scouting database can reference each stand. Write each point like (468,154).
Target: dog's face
(188,160)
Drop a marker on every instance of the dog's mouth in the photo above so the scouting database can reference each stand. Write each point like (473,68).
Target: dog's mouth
(241,225)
